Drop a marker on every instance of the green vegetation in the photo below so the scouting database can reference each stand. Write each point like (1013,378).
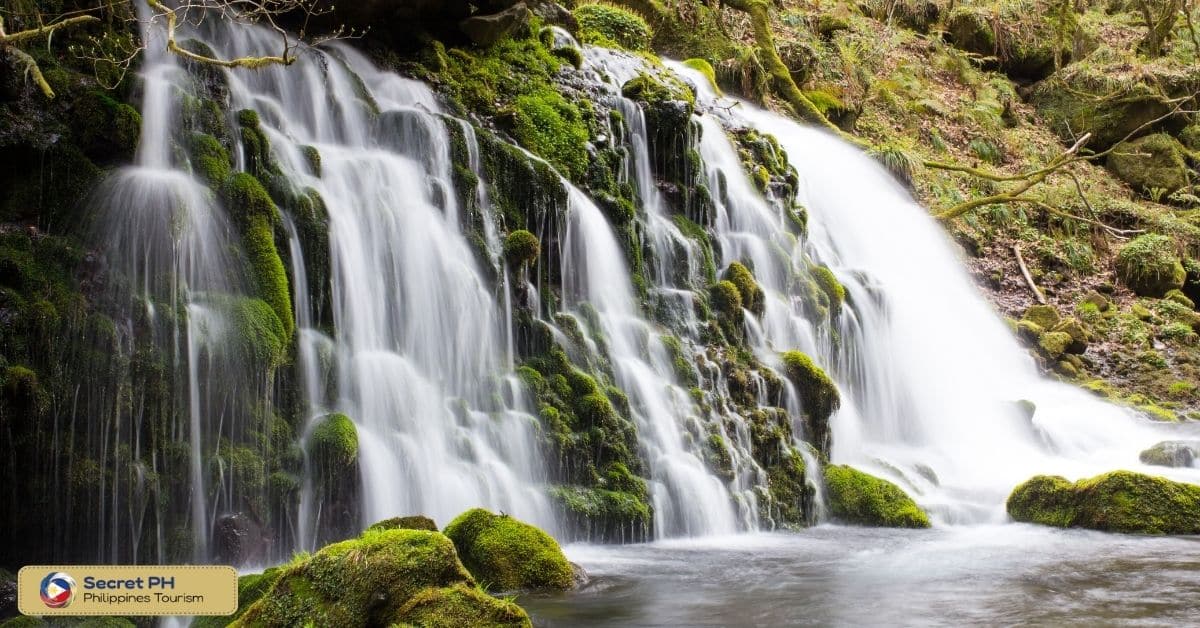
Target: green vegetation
(1119,501)
(612,26)
(752,296)
(414,522)
(508,554)
(859,498)
(1150,265)
(521,247)
(818,395)
(257,215)
(384,577)
(334,443)
(553,128)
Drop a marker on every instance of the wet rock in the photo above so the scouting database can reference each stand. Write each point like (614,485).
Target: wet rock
(486,30)
(509,554)
(1119,501)
(239,540)
(1172,453)
(863,499)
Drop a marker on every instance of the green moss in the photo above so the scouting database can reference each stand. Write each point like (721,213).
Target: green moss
(753,297)
(334,442)
(570,54)
(704,67)
(459,605)
(552,128)
(256,214)
(818,394)
(1150,265)
(829,284)
(251,588)
(381,578)
(313,157)
(661,88)
(256,333)
(521,247)
(414,522)
(509,554)
(726,301)
(107,130)
(1119,501)
(1153,164)
(612,26)
(860,498)
(209,159)
(1054,343)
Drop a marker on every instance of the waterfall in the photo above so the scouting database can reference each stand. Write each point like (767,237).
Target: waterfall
(408,320)
(930,375)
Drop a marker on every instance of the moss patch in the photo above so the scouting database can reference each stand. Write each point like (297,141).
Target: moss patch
(1119,501)
(508,554)
(863,499)
(1150,265)
(613,26)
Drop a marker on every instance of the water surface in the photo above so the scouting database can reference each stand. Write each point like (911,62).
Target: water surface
(978,575)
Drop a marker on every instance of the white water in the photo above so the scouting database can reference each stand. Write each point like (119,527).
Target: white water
(928,372)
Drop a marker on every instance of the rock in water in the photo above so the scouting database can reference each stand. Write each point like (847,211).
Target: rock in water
(383,578)
(1119,501)
(1172,453)
(509,554)
(863,499)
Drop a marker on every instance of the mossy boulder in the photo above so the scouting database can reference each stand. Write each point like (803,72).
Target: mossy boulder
(508,554)
(863,499)
(1045,316)
(521,247)
(256,216)
(334,442)
(413,522)
(818,395)
(256,334)
(1119,501)
(829,284)
(1150,265)
(726,301)
(1172,453)
(251,588)
(613,26)
(753,297)
(383,578)
(105,129)
(1075,329)
(1012,37)
(1153,165)
(1054,343)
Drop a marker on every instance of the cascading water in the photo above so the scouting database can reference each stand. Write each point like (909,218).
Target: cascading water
(405,324)
(956,437)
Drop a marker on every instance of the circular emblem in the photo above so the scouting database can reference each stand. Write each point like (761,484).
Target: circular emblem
(58,589)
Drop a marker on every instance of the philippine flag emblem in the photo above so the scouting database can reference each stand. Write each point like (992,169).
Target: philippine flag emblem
(58,589)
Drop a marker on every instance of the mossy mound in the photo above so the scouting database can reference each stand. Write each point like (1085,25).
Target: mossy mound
(863,499)
(612,26)
(705,68)
(1119,501)
(1012,37)
(383,578)
(753,297)
(552,128)
(508,554)
(334,442)
(251,588)
(521,247)
(1044,316)
(256,334)
(1172,453)
(1153,165)
(256,215)
(413,522)
(1150,265)
(818,394)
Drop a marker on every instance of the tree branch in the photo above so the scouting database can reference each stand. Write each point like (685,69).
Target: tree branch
(243,62)
(21,37)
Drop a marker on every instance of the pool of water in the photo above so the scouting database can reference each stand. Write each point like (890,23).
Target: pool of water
(981,575)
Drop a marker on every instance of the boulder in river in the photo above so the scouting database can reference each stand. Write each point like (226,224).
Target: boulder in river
(863,499)
(509,554)
(1172,453)
(1118,501)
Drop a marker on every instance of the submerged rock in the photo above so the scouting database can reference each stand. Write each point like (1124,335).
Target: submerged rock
(863,499)
(1119,501)
(383,578)
(1172,453)
(509,554)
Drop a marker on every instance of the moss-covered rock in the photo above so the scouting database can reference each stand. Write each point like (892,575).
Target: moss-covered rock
(1013,37)
(818,395)
(1150,265)
(552,128)
(383,578)
(1075,329)
(1054,343)
(1045,316)
(752,295)
(1153,165)
(251,588)
(1172,453)
(1119,501)
(413,522)
(508,554)
(256,215)
(863,499)
(334,442)
(613,26)
(521,247)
